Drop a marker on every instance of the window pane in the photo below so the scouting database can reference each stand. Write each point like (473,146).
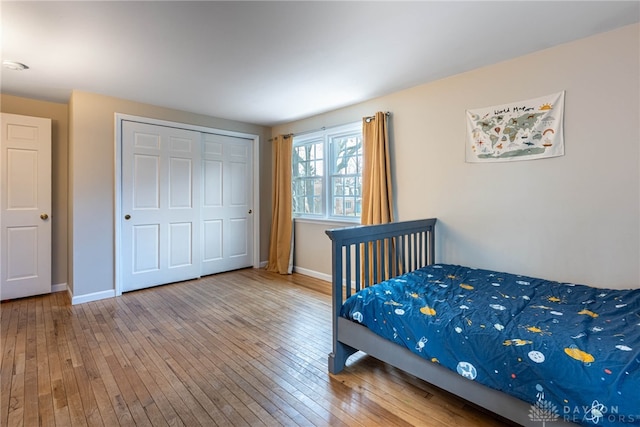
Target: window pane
(346,171)
(347,154)
(307,196)
(346,197)
(307,160)
(346,206)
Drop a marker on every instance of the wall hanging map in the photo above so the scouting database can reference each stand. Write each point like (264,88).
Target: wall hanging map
(521,130)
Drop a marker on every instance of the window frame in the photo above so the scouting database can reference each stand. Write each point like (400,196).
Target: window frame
(326,137)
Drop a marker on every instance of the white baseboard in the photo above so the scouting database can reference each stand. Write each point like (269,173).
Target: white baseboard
(59,287)
(312,273)
(79,299)
(96,296)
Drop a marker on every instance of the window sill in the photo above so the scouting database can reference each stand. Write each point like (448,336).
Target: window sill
(327,221)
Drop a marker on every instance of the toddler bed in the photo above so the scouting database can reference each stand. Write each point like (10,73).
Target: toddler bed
(530,350)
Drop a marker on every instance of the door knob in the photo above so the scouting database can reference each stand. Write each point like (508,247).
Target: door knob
(250,210)
(44,216)
(127,217)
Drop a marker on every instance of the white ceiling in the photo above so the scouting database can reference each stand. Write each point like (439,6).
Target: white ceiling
(273,62)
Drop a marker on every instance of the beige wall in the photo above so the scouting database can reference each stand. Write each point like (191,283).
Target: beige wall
(572,218)
(58,113)
(497,216)
(91,175)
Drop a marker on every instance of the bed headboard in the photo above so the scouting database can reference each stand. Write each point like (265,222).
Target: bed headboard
(367,254)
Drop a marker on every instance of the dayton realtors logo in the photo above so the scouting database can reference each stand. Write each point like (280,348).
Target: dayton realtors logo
(544,411)
(597,413)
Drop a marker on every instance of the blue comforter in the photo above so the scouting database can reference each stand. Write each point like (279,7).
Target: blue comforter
(572,351)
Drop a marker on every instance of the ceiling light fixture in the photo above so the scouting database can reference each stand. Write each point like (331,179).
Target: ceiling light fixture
(13,65)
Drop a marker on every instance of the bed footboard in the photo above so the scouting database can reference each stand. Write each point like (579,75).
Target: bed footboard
(368,254)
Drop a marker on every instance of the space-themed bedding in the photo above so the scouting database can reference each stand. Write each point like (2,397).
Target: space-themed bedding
(572,351)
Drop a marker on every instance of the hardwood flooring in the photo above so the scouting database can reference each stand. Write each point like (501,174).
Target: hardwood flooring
(245,348)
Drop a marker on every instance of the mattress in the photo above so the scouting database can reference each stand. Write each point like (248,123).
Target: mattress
(571,350)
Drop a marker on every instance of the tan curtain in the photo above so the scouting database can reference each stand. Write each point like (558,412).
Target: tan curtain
(376,189)
(376,173)
(281,239)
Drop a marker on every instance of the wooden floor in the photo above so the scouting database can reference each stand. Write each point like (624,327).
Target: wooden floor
(245,348)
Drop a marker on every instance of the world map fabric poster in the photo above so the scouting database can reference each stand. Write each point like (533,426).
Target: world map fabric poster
(521,130)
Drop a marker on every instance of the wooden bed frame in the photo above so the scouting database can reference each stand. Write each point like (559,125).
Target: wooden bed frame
(410,245)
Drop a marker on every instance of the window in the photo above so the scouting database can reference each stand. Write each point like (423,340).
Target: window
(327,174)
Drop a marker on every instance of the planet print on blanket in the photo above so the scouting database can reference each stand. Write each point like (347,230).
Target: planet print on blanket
(580,355)
(467,370)
(536,356)
(428,311)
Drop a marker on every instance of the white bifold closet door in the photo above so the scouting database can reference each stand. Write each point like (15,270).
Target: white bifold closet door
(186,204)
(227,218)
(160,205)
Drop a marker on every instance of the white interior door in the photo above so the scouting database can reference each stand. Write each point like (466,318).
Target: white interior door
(160,228)
(25,221)
(227,199)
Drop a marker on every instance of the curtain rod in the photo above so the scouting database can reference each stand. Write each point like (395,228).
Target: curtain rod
(289,135)
(369,118)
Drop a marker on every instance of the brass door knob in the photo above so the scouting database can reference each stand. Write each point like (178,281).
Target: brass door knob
(44,216)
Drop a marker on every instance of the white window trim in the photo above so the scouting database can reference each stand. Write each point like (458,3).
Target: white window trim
(327,134)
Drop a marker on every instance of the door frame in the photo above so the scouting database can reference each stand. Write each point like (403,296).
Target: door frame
(119,118)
